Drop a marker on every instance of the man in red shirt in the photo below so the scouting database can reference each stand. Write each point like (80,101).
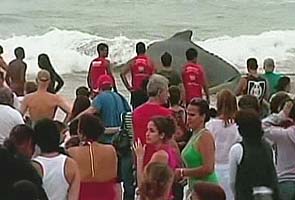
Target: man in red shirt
(141,68)
(157,90)
(194,77)
(99,66)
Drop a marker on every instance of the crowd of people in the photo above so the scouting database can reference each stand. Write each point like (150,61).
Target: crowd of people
(168,143)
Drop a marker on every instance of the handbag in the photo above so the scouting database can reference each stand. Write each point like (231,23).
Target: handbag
(121,140)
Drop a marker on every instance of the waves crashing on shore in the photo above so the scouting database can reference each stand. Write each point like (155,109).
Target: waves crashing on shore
(71,51)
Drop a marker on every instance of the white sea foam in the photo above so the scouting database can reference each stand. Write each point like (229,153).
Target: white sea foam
(72,51)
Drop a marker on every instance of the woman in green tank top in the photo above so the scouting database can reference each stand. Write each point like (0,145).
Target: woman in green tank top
(199,153)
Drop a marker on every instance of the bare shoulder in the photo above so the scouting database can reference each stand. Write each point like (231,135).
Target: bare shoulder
(160,156)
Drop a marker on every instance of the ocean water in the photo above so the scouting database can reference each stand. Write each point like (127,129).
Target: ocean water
(69,30)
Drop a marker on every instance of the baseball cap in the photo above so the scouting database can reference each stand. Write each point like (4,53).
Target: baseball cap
(104,81)
(43,75)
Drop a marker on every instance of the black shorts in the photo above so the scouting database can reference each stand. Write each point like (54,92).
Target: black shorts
(138,98)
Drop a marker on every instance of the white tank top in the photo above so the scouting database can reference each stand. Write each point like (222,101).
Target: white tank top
(54,180)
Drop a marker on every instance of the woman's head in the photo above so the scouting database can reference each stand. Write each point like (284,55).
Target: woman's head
(284,84)
(44,62)
(159,130)
(90,127)
(209,191)
(156,181)
(277,100)
(81,103)
(21,140)
(174,95)
(249,125)
(198,113)
(249,102)
(226,105)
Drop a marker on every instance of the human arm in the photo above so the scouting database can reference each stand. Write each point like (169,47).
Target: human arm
(23,73)
(206,90)
(206,147)
(125,70)
(59,80)
(3,64)
(89,110)
(241,86)
(24,105)
(235,157)
(65,106)
(7,77)
(109,70)
(89,76)
(73,178)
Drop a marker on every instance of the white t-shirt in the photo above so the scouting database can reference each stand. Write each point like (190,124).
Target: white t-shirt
(225,138)
(9,118)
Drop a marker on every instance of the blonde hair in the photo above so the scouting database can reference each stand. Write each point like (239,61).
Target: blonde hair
(226,106)
(156,182)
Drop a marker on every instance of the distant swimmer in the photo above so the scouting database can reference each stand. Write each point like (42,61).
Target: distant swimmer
(43,104)
(3,65)
(16,72)
(100,66)
(44,63)
(141,68)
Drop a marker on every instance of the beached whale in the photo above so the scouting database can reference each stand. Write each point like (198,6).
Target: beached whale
(220,73)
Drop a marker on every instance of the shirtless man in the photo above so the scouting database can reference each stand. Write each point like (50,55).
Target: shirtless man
(16,72)
(42,104)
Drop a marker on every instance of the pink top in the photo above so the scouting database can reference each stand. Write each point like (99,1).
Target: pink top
(174,159)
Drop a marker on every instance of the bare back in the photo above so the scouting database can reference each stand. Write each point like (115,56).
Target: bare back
(16,76)
(105,162)
(42,105)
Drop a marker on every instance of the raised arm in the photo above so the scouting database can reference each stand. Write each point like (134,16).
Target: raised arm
(59,80)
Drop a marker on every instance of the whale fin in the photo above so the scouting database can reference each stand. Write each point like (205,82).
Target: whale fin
(184,35)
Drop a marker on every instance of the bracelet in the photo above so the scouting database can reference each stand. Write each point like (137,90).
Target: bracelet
(181,172)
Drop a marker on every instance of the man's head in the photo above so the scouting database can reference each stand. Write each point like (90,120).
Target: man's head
(166,59)
(30,87)
(103,50)
(191,54)
(1,79)
(19,53)
(47,136)
(1,49)
(6,96)
(105,82)
(43,79)
(157,87)
(269,65)
(82,91)
(252,65)
(140,48)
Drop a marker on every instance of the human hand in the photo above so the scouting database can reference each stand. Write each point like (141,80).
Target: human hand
(139,149)
(288,107)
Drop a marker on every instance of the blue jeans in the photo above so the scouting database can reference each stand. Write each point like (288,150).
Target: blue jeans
(127,176)
(287,190)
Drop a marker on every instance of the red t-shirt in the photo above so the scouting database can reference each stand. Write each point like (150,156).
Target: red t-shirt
(99,66)
(141,116)
(193,77)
